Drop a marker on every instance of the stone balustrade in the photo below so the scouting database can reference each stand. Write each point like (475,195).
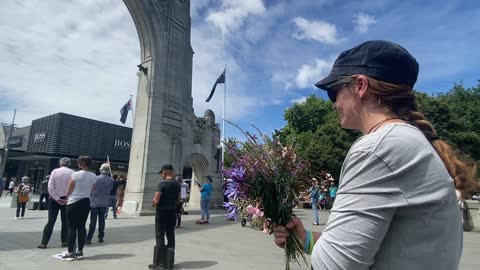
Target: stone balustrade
(474,211)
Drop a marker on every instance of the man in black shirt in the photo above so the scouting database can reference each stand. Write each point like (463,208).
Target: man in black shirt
(167,196)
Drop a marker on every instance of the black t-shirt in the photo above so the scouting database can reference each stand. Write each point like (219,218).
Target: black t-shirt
(170,190)
(113,192)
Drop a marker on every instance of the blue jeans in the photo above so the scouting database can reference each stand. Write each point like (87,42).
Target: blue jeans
(97,212)
(204,202)
(112,202)
(315,212)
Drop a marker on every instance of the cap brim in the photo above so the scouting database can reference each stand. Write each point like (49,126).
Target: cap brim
(160,171)
(325,83)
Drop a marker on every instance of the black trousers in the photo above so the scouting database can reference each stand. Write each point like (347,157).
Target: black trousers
(97,213)
(21,205)
(165,225)
(77,214)
(42,196)
(179,213)
(53,208)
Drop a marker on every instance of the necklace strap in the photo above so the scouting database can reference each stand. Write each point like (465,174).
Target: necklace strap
(380,123)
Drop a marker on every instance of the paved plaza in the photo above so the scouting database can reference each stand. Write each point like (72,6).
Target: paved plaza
(129,243)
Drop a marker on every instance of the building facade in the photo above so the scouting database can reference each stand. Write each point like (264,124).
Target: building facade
(34,151)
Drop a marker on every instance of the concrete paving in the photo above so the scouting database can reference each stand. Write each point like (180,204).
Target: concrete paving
(129,243)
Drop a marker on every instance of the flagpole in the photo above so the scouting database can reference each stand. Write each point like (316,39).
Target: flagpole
(223,118)
(6,145)
(109,166)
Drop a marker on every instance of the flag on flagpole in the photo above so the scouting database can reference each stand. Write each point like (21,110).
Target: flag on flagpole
(110,166)
(124,111)
(221,79)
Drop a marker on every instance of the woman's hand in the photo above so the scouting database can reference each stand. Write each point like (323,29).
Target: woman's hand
(280,232)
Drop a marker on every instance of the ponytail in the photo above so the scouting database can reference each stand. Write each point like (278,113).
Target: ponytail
(463,174)
(400,100)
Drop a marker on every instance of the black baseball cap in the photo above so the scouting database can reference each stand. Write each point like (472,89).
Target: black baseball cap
(166,167)
(382,60)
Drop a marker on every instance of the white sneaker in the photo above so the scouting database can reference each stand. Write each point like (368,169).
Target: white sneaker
(16,217)
(69,257)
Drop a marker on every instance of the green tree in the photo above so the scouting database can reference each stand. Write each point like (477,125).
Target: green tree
(313,127)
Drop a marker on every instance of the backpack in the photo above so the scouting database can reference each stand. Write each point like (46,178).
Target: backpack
(26,190)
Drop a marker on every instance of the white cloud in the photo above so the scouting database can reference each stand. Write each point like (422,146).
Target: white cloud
(196,6)
(299,100)
(55,60)
(308,75)
(315,30)
(363,21)
(233,13)
(285,79)
(208,62)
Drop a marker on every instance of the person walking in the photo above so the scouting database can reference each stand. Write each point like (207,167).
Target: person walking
(333,191)
(44,193)
(112,200)
(183,198)
(57,190)
(314,195)
(122,185)
(185,191)
(206,192)
(99,203)
(166,199)
(80,186)
(395,207)
(11,186)
(23,196)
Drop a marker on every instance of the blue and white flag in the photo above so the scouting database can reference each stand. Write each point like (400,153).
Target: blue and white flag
(221,79)
(124,111)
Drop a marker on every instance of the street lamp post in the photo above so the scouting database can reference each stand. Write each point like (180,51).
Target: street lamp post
(6,146)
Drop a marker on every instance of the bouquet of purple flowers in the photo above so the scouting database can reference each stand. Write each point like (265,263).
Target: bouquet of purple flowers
(266,171)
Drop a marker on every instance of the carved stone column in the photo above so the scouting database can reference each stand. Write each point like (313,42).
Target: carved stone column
(164,103)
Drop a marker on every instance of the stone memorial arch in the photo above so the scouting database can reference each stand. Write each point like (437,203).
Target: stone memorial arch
(165,128)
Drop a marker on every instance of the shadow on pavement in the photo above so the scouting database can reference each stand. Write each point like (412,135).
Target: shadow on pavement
(194,264)
(113,235)
(108,257)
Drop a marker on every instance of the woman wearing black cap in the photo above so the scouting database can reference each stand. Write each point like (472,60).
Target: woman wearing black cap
(396,206)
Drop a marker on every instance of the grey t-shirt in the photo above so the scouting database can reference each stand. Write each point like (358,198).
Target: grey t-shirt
(395,208)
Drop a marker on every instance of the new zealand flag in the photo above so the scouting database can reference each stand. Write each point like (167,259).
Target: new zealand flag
(124,111)
(221,79)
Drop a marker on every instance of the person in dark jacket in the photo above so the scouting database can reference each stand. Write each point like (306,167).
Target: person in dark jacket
(112,202)
(44,193)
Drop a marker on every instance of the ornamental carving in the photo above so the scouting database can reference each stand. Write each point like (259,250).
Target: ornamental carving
(161,8)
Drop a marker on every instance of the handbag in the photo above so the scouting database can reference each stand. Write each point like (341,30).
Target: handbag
(22,198)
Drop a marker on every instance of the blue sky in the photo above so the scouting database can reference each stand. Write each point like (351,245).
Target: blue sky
(80,56)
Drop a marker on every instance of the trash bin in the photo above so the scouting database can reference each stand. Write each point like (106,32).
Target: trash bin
(32,205)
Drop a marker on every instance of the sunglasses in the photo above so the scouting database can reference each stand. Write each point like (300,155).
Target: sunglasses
(334,87)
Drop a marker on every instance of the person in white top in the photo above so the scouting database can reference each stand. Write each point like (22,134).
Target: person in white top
(81,185)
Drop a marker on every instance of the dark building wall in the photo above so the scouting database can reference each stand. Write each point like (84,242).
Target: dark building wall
(44,135)
(64,134)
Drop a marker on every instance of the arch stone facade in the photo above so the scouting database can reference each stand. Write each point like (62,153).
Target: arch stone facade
(165,128)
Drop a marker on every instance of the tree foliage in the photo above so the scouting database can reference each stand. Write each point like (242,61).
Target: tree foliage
(313,127)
